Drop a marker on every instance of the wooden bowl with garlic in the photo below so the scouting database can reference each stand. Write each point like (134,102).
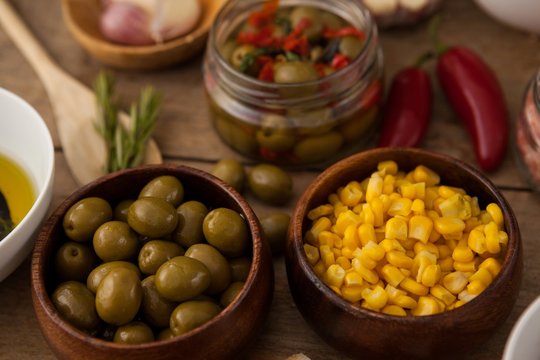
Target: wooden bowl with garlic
(140,34)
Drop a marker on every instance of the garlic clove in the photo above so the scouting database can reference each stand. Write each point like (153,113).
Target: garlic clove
(381,7)
(414,5)
(125,23)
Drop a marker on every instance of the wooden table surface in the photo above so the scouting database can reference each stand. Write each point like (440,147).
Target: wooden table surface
(185,136)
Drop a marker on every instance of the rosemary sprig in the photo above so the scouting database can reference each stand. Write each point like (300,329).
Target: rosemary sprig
(125,147)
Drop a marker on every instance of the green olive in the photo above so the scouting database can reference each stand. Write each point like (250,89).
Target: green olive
(313,122)
(313,15)
(97,275)
(75,303)
(121,210)
(135,332)
(191,314)
(118,296)
(235,136)
(240,268)
(190,219)
(74,261)
(230,293)
(275,226)
(152,217)
(182,278)
(155,308)
(331,21)
(358,126)
(238,54)
(156,252)
(166,187)
(84,217)
(226,230)
(231,171)
(270,184)
(320,147)
(293,72)
(227,49)
(217,264)
(351,46)
(165,334)
(276,133)
(114,240)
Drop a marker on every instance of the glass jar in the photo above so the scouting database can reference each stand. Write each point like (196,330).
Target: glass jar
(312,122)
(527,139)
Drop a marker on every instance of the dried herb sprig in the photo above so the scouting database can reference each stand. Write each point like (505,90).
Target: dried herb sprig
(125,147)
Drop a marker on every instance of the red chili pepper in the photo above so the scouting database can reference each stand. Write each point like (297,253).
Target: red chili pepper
(267,71)
(346,31)
(261,38)
(340,61)
(475,94)
(264,17)
(407,110)
(296,45)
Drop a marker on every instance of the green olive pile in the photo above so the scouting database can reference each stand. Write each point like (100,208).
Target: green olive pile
(152,267)
(268,183)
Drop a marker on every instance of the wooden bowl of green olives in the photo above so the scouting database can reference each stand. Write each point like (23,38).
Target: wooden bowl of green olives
(152,262)
(404,253)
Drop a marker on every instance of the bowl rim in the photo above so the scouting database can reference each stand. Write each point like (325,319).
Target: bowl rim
(38,287)
(511,257)
(42,194)
(527,317)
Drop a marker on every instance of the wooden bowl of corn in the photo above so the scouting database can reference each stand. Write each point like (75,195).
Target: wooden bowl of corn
(403,253)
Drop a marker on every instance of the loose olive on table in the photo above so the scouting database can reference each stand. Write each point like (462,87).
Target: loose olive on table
(158,270)
(288,62)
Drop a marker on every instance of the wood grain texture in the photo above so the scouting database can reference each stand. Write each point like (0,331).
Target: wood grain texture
(185,135)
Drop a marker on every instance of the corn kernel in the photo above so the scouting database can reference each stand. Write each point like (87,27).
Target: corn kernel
(388,167)
(319,268)
(442,294)
(444,251)
(374,251)
(469,266)
(431,275)
(413,287)
(404,301)
(351,194)
(483,275)
(344,262)
(377,208)
(346,219)
(418,206)
(394,310)
(448,191)
(335,289)
(446,264)
(376,297)
(388,185)
(408,191)
(491,231)
(429,247)
(312,254)
(320,211)
(485,217)
(401,206)
(496,214)
(364,259)
(462,252)
(445,225)
(492,265)
(321,224)
(374,187)
(367,214)
(477,241)
(334,275)
(399,259)
(353,278)
(392,275)
(432,194)
(367,274)
(426,306)
(420,228)
(327,238)
(366,233)
(391,244)
(466,296)
(351,240)
(455,206)
(352,293)
(455,282)
(424,174)
(327,255)
(396,229)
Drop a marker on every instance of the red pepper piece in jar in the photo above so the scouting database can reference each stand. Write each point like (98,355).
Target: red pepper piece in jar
(475,94)
(407,110)
(340,61)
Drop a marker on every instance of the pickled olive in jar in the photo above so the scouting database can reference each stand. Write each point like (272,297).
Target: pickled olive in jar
(191,314)
(217,264)
(114,240)
(182,278)
(226,230)
(351,46)
(331,21)
(239,53)
(76,305)
(152,217)
(231,171)
(135,332)
(190,220)
(236,136)
(294,72)
(312,16)
(96,276)
(155,309)
(275,226)
(358,125)
(319,147)
(167,187)
(227,50)
(74,261)
(276,133)
(84,217)
(156,252)
(121,210)
(230,293)
(240,268)
(270,184)
(118,296)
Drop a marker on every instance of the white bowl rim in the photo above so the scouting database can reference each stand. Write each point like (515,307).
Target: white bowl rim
(514,343)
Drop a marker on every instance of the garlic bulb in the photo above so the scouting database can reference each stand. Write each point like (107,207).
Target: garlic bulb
(145,22)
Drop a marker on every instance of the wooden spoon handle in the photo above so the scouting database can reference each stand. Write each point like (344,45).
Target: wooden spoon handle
(33,52)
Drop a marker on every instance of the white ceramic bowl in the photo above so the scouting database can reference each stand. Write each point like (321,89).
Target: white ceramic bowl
(522,344)
(520,14)
(26,140)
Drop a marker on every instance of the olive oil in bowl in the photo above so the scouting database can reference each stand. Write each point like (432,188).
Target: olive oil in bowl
(17,194)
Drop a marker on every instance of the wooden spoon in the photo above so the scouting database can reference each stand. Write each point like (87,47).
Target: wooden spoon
(73,104)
